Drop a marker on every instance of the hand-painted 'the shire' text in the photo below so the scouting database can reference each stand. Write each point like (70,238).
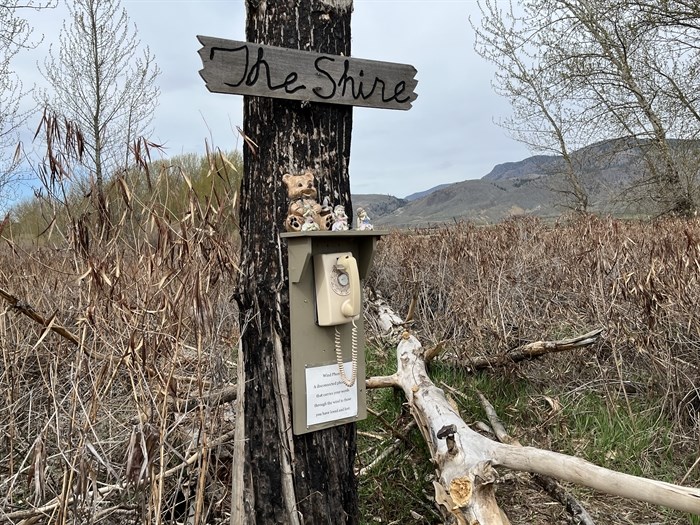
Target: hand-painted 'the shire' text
(244,68)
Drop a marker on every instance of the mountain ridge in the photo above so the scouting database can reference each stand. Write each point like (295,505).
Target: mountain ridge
(533,186)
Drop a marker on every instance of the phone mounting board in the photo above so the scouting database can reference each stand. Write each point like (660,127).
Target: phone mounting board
(319,397)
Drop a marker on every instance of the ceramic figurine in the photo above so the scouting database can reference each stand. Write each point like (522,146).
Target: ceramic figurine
(310,225)
(340,219)
(363,221)
(326,206)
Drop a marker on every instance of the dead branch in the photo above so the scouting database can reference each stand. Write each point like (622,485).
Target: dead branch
(211,400)
(465,459)
(497,425)
(432,353)
(549,484)
(535,349)
(24,308)
(412,306)
(395,445)
(388,451)
(382,382)
(386,318)
(398,434)
(570,503)
(695,464)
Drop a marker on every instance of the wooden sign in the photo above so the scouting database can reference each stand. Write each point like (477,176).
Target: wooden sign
(244,68)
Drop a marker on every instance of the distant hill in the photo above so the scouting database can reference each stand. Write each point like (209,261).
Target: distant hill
(421,194)
(377,205)
(477,200)
(526,187)
(530,168)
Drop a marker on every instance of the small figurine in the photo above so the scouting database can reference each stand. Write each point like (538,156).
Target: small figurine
(309,210)
(310,225)
(363,221)
(326,215)
(340,219)
(303,208)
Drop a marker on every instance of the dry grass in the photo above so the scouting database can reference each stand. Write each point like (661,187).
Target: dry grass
(113,419)
(121,425)
(487,290)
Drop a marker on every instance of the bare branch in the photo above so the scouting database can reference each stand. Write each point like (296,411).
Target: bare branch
(26,309)
(535,349)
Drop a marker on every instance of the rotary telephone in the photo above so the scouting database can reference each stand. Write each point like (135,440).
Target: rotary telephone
(338,301)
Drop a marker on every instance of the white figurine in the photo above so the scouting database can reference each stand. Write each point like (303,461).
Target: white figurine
(363,222)
(340,219)
(310,225)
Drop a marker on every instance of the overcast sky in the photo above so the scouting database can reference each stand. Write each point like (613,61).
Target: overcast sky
(449,135)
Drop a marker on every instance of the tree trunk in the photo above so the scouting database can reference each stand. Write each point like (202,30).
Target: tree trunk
(281,478)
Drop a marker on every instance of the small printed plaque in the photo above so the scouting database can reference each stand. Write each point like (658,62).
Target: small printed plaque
(327,397)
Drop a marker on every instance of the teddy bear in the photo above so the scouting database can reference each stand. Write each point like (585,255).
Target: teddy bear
(304,212)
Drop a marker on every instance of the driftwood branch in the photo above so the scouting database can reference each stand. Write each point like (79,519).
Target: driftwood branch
(465,459)
(533,350)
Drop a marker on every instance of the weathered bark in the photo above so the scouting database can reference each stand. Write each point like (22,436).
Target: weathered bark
(283,478)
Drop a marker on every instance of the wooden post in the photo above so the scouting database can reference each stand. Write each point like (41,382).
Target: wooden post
(287,478)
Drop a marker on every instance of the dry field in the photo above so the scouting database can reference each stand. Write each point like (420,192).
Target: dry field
(117,356)
(631,402)
(117,365)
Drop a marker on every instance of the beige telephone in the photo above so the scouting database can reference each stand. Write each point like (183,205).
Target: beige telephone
(338,301)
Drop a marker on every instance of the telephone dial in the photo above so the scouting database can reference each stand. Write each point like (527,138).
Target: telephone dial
(338,301)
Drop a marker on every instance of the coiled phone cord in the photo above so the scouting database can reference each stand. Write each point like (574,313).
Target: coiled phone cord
(339,356)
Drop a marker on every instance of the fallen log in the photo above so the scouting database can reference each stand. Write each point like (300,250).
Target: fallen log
(465,460)
(549,484)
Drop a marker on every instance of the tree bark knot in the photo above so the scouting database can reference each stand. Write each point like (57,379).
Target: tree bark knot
(447,433)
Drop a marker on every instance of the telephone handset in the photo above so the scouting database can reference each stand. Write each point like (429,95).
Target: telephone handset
(338,300)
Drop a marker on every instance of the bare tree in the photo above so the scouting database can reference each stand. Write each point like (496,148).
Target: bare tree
(613,66)
(542,117)
(608,69)
(15,35)
(104,81)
